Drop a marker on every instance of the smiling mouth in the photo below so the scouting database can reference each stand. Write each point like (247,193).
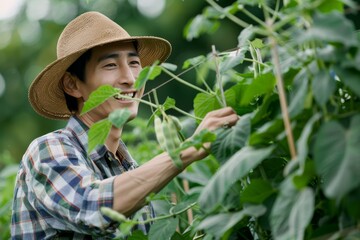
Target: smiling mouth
(122,98)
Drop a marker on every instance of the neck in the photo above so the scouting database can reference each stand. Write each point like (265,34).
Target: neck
(112,141)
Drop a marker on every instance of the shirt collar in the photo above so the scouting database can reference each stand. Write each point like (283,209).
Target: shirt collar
(80,131)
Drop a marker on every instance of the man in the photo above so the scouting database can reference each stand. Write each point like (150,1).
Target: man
(60,188)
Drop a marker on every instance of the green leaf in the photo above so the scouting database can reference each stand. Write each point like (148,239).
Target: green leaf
(331,5)
(147,73)
(257,191)
(336,157)
(119,117)
(204,103)
(299,92)
(169,66)
(267,132)
(323,86)
(231,140)
(245,35)
(233,170)
(193,61)
(292,212)
(232,59)
(350,77)
(169,103)
(301,213)
(137,235)
(331,27)
(199,139)
(302,143)
(163,229)
(257,43)
(262,84)
(199,25)
(97,97)
(218,224)
(98,133)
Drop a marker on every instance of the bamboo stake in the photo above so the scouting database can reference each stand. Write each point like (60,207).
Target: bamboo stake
(281,89)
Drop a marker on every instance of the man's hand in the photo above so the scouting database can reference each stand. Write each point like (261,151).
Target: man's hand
(218,118)
(224,117)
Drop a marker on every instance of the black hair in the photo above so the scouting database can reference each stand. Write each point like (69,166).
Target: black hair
(77,69)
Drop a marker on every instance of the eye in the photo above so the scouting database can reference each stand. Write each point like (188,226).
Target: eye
(110,65)
(135,62)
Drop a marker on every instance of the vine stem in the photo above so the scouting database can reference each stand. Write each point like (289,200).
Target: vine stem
(228,15)
(155,106)
(166,216)
(184,82)
(281,89)
(218,76)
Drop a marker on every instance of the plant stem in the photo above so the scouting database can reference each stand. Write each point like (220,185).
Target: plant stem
(281,89)
(228,15)
(184,82)
(253,17)
(155,106)
(218,77)
(186,113)
(166,216)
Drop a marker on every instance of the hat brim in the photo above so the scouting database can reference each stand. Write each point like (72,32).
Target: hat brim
(46,94)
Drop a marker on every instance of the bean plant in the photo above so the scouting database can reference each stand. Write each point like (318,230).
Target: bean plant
(289,168)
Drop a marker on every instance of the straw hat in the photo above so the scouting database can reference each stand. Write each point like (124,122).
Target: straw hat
(88,30)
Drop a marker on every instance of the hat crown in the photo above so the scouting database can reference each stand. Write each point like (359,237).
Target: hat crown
(86,31)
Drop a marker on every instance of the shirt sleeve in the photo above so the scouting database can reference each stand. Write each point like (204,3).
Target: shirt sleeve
(66,190)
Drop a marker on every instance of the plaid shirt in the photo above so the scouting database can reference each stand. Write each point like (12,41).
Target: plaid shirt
(60,188)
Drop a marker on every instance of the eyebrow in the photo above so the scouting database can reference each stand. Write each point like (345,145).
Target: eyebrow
(116,55)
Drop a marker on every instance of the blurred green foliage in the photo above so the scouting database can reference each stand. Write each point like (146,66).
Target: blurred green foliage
(28,43)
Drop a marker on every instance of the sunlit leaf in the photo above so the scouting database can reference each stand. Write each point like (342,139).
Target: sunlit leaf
(147,73)
(328,6)
(119,117)
(262,84)
(204,103)
(257,43)
(197,141)
(169,103)
(336,157)
(220,223)
(97,97)
(233,170)
(98,133)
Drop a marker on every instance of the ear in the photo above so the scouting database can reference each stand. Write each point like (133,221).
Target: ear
(70,85)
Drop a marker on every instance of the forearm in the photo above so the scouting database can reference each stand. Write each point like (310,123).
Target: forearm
(131,188)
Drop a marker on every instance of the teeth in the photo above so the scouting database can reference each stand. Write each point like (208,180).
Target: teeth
(125,94)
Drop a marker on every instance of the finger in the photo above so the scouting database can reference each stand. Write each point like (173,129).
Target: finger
(221,112)
(229,121)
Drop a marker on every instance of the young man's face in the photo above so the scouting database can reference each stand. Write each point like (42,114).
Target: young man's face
(118,65)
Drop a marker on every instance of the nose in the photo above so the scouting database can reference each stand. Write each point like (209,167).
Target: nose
(126,76)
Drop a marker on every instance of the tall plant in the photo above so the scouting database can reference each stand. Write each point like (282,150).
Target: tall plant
(289,168)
